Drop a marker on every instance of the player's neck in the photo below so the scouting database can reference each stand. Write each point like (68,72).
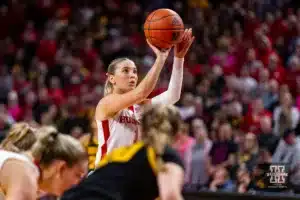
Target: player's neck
(119,91)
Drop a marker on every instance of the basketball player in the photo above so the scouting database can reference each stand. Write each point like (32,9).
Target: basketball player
(117,114)
(20,137)
(90,143)
(54,163)
(145,170)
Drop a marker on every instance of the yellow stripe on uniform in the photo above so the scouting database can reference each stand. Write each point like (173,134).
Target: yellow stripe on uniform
(120,155)
(151,155)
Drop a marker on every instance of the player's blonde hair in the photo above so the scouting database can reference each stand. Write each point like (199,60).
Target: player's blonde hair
(160,124)
(20,137)
(108,87)
(52,145)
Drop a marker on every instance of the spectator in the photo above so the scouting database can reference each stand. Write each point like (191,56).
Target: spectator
(286,116)
(270,96)
(243,180)
(183,141)
(248,153)
(196,156)
(288,151)
(223,149)
(221,181)
(267,139)
(252,118)
(187,109)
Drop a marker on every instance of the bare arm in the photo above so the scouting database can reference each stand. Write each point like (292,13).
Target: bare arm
(113,103)
(20,181)
(230,161)
(170,182)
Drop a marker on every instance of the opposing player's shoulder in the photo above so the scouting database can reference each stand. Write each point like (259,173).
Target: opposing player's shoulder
(171,156)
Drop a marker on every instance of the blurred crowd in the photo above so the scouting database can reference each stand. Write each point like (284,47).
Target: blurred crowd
(241,95)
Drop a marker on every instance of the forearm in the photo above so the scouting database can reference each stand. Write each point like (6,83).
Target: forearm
(172,95)
(148,83)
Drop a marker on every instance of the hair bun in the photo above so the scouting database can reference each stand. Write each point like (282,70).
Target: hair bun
(50,135)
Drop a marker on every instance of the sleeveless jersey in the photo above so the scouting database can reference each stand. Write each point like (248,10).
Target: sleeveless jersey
(121,130)
(6,155)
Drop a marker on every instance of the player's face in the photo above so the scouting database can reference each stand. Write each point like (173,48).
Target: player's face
(66,177)
(125,77)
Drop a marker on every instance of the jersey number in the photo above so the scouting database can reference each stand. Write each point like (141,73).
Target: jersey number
(120,155)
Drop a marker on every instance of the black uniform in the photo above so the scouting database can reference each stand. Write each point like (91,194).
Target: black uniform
(126,173)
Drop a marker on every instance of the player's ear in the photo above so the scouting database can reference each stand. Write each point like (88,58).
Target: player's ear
(111,79)
(61,167)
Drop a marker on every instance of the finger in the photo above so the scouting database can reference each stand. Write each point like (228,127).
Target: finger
(184,38)
(166,51)
(193,38)
(189,33)
(188,44)
(148,42)
(152,46)
(183,35)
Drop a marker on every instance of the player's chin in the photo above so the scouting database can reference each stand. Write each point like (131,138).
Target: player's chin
(129,88)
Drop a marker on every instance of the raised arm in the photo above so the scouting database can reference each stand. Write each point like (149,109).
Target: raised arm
(172,95)
(113,103)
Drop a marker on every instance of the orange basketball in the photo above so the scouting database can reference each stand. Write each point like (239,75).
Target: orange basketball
(163,28)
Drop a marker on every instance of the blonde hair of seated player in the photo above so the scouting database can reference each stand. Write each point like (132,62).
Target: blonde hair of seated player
(61,161)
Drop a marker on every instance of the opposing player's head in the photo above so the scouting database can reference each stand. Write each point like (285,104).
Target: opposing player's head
(20,137)
(61,158)
(121,76)
(160,126)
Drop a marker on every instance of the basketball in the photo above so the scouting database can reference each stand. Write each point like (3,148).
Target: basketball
(163,28)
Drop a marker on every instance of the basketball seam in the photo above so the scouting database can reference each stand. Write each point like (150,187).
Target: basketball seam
(149,27)
(162,40)
(150,20)
(165,29)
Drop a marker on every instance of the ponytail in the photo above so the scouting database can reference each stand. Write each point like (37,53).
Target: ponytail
(9,146)
(21,137)
(160,124)
(46,141)
(158,142)
(52,145)
(108,87)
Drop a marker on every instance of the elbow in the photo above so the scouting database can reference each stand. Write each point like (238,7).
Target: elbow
(140,96)
(171,195)
(173,100)
(176,98)
(142,93)
(175,93)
